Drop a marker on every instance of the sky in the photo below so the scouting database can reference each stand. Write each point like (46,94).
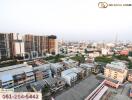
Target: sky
(68,19)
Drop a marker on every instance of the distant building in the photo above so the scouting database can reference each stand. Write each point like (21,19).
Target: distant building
(27,46)
(11,45)
(16,44)
(52,44)
(129,77)
(115,73)
(130,55)
(105,51)
(4,46)
(124,52)
(39,45)
(94,54)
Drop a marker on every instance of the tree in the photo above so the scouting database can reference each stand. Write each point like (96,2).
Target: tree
(104,59)
(86,51)
(130,65)
(45,89)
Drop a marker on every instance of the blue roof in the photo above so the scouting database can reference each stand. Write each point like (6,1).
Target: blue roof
(6,77)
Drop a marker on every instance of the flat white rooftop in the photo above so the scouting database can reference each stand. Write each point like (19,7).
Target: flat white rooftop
(117,65)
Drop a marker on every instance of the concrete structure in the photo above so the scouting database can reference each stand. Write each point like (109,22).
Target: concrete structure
(130,92)
(94,54)
(4,46)
(79,91)
(69,76)
(42,72)
(98,92)
(124,52)
(57,68)
(36,45)
(11,45)
(105,51)
(80,72)
(17,75)
(116,71)
(38,86)
(52,44)
(93,66)
(56,83)
(30,46)
(70,63)
(129,77)
(16,44)
(87,71)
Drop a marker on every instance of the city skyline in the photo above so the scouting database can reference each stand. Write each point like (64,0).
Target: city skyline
(69,20)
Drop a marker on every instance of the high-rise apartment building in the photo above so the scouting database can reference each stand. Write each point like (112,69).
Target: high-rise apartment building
(34,43)
(14,45)
(52,44)
(11,45)
(4,45)
(40,44)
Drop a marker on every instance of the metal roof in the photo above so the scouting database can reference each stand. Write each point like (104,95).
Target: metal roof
(12,67)
(6,77)
(42,67)
(38,85)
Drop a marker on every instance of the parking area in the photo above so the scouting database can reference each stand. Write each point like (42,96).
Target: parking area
(80,90)
(118,94)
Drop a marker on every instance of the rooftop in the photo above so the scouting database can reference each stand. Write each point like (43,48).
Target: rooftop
(14,70)
(90,65)
(116,65)
(79,91)
(57,65)
(12,67)
(130,71)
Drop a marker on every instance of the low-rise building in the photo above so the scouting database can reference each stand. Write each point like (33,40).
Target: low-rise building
(69,76)
(42,72)
(70,63)
(130,92)
(16,75)
(94,54)
(57,68)
(129,77)
(38,86)
(116,71)
(56,83)
(80,72)
(87,67)
(124,52)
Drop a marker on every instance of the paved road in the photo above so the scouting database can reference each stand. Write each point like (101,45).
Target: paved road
(80,90)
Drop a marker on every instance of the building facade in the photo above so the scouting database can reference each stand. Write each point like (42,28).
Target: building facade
(129,77)
(40,45)
(117,72)
(4,46)
(15,44)
(11,45)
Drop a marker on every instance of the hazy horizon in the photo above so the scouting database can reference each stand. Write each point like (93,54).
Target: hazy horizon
(68,19)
